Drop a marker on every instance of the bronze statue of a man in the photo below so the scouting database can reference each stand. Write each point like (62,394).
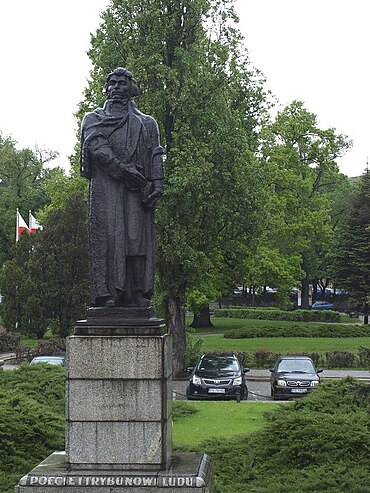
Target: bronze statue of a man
(123,160)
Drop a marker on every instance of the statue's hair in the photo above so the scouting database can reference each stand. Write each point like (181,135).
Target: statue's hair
(133,90)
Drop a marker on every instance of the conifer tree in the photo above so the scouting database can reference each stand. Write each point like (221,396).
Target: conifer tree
(353,253)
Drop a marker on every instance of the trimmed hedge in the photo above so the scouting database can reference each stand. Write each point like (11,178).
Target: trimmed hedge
(276,314)
(9,341)
(52,347)
(323,330)
(262,358)
(340,359)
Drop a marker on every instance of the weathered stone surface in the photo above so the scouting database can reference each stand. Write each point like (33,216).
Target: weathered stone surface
(115,443)
(190,473)
(131,357)
(119,402)
(115,400)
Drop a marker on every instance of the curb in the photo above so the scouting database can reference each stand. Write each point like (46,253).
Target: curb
(8,359)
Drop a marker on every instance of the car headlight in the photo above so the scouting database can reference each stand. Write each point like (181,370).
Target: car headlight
(281,383)
(197,380)
(237,381)
(314,383)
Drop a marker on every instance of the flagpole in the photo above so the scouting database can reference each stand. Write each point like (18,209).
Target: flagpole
(17,226)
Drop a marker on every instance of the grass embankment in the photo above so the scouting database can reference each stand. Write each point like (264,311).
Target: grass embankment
(286,344)
(213,339)
(195,422)
(224,324)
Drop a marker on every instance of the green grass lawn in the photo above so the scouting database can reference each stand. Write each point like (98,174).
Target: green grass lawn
(216,419)
(27,341)
(285,344)
(223,324)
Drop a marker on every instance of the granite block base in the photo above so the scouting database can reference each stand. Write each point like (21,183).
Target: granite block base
(189,473)
(119,402)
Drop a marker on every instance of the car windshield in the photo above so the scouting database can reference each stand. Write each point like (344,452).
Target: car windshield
(50,361)
(296,366)
(218,364)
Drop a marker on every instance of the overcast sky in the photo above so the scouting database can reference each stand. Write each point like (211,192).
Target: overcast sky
(316,51)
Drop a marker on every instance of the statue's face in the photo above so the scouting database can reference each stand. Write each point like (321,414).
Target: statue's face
(117,87)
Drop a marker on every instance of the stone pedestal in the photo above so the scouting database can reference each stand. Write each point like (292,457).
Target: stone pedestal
(119,395)
(189,473)
(119,413)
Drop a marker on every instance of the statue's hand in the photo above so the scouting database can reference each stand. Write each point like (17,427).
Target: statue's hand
(152,198)
(133,176)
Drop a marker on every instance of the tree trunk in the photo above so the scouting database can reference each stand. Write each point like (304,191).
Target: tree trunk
(366,314)
(305,284)
(305,294)
(175,318)
(202,319)
(314,289)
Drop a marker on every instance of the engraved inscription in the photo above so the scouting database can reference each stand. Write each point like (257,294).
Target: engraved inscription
(165,481)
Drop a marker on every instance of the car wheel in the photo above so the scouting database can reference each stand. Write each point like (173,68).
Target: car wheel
(245,394)
(274,397)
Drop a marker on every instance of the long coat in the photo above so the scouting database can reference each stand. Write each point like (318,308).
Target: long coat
(112,138)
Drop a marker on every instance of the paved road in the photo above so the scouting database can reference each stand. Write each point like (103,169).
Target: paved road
(258,391)
(258,382)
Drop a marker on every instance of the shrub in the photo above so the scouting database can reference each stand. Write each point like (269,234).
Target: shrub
(53,347)
(193,349)
(31,419)
(9,341)
(340,359)
(364,356)
(313,330)
(264,358)
(323,441)
(293,316)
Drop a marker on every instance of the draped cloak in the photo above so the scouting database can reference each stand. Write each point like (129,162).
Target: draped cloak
(119,224)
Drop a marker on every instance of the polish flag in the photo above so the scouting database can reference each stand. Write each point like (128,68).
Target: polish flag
(33,223)
(21,226)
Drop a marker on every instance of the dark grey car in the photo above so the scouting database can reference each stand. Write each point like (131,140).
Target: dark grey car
(217,377)
(293,376)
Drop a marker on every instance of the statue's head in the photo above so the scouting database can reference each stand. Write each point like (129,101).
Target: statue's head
(120,84)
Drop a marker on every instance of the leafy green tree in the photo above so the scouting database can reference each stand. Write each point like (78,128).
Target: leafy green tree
(302,170)
(61,261)
(45,283)
(195,79)
(21,186)
(22,306)
(352,266)
(268,266)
